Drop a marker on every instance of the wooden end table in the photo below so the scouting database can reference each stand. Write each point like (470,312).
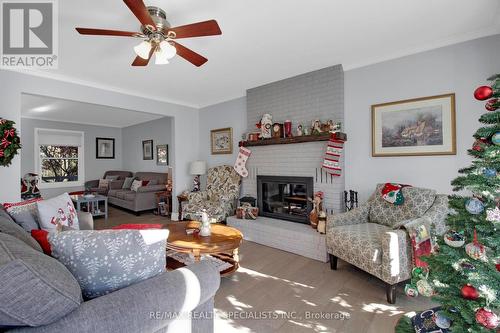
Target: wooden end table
(166,196)
(223,244)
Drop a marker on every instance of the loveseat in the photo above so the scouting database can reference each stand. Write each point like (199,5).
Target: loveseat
(219,198)
(36,291)
(374,237)
(144,198)
(93,185)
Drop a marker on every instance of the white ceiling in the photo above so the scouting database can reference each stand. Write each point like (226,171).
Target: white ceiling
(48,108)
(263,41)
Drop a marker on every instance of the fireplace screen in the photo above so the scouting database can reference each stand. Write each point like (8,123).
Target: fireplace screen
(285,197)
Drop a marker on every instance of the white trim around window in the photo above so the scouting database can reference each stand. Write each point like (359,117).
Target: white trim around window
(60,137)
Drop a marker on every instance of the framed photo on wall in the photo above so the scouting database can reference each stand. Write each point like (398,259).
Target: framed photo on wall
(162,155)
(221,141)
(414,127)
(147,150)
(104,148)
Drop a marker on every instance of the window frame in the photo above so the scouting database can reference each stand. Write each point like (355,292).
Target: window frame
(81,160)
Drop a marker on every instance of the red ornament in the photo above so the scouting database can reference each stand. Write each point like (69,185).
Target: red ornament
(469,292)
(490,105)
(487,318)
(480,144)
(483,93)
(498,267)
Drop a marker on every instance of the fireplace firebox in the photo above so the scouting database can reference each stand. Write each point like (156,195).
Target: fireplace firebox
(285,198)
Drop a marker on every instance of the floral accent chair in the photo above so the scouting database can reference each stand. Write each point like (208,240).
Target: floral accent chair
(219,199)
(374,236)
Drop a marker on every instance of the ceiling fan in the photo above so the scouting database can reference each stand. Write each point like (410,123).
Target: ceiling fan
(159,37)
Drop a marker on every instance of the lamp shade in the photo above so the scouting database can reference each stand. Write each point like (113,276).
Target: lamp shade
(198,168)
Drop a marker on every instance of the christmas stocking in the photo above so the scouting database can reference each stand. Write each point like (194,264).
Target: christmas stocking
(239,165)
(333,152)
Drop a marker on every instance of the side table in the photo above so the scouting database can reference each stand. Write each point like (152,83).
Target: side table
(181,198)
(166,196)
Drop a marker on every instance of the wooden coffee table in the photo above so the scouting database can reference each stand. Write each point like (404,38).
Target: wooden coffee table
(223,243)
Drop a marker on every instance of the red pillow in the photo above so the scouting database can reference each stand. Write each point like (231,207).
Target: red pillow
(137,226)
(145,182)
(41,237)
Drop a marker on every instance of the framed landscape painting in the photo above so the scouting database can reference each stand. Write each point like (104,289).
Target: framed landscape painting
(414,127)
(104,148)
(147,150)
(222,141)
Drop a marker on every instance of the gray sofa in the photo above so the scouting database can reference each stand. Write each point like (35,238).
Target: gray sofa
(39,295)
(142,200)
(93,185)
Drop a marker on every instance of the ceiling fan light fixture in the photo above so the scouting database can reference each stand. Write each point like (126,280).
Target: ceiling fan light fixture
(160,58)
(167,49)
(143,49)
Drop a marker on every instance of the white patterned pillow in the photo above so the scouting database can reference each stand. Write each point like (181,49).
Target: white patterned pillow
(58,209)
(135,185)
(108,260)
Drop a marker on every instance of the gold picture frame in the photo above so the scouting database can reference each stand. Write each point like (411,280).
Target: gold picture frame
(423,126)
(221,141)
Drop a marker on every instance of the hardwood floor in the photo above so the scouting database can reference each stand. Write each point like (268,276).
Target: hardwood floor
(277,284)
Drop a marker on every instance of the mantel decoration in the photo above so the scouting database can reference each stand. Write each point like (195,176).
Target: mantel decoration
(414,127)
(10,143)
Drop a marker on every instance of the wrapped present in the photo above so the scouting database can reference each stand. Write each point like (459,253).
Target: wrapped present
(247,212)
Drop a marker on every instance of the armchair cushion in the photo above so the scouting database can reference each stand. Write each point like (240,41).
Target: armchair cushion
(396,256)
(355,216)
(417,202)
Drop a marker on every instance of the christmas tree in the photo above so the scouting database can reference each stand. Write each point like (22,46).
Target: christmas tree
(464,271)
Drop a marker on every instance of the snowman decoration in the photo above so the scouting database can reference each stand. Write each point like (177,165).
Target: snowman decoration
(205,229)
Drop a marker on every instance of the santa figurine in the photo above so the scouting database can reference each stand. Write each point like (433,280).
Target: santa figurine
(265,126)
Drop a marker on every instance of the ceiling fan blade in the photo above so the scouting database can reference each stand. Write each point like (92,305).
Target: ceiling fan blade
(200,29)
(189,55)
(104,32)
(141,12)
(143,62)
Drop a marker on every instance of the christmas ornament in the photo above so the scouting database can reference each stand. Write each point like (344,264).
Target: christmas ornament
(454,239)
(474,206)
(469,292)
(332,156)
(10,143)
(441,320)
(424,288)
(411,290)
(489,172)
(241,160)
(483,93)
(496,139)
(420,273)
(475,250)
(480,144)
(487,318)
(493,215)
(467,266)
(497,266)
(490,106)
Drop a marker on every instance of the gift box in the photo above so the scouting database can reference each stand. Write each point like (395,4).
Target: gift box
(247,213)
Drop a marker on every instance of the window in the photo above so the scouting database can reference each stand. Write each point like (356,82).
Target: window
(59,157)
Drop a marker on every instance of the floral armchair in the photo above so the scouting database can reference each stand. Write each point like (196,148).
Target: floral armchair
(219,199)
(374,237)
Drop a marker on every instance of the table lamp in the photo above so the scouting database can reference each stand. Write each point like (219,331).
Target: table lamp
(197,168)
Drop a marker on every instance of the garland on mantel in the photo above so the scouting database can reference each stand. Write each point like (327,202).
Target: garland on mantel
(10,143)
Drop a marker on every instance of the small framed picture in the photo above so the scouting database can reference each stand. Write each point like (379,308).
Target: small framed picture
(162,155)
(222,141)
(415,127)
(104,148)
(147,150)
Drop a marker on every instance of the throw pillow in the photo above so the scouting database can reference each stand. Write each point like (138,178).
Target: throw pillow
(9,227)
(127,183)
(41,236)
(145,182)
(59,209)
(108,260)
(36,289)
(112,177)
(24,213)
(104,183)
(135,185)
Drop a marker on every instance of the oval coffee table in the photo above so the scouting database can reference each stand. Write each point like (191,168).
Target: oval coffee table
(223,243)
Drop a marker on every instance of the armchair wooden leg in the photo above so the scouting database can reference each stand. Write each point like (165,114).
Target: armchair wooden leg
(391,293)
(333,262)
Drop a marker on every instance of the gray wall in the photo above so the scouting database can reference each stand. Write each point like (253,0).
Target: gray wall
(458,69)
(160,131)
(94,168)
